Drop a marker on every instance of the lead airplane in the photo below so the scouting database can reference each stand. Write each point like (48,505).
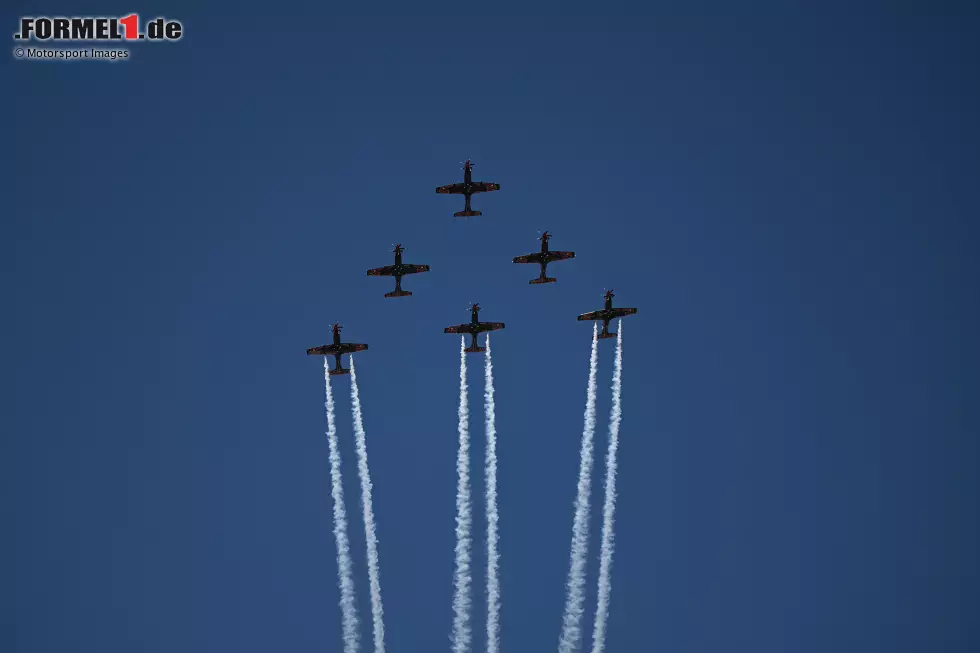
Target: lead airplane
(606,315)
(475,328)
(337,349)
(543,258)
(398,270)
(467,188)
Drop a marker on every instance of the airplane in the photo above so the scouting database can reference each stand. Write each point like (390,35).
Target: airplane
(398,270)
(607,314)
(337,349)
(467,188)
(475,328)
(543,258)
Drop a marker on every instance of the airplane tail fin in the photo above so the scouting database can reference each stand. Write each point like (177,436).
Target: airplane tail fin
(466,214)
(543,279)
(399,293)
(339,370)
(607,334)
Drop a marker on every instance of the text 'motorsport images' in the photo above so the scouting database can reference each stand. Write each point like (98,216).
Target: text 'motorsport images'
(37,37)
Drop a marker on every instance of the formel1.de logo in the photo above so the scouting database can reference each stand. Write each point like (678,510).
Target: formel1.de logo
(97,28)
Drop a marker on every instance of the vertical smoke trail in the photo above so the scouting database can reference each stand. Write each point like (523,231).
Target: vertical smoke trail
(571,633)
(609,508)
(344,567)
(461,582)
(493,583)
(377,610)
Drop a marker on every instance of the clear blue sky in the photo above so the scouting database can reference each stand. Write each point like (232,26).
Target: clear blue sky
(788,195)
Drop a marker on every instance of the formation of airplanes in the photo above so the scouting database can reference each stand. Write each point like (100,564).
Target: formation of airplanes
(474,327)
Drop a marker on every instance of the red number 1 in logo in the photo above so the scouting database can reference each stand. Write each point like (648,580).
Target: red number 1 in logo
(131,24)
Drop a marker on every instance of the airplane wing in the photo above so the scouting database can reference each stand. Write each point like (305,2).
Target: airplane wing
(408,268)
(594,315)
(623,312)
(351,347)
(325,350)
(485,186)
(491,326)
(528,258)
(385,271)
(460,328)
(560,256)
(451,189)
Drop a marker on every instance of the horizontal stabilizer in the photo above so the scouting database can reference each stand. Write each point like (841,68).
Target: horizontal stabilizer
(609,334)
(474,350)
(467,214)
(399,293)
(543,280)
(339,370)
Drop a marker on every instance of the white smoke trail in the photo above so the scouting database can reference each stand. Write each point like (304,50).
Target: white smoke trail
(344,567)
(377,610)
(571,633)
(493,583)
(461,596)
(609,508)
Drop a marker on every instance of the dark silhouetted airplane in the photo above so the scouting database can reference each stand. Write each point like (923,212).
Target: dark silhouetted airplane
(467,188)
(607,314)
(543,258)
(337,349)
(475,328)
(398,270)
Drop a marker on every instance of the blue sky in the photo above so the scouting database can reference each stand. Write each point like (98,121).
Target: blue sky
(788,195)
